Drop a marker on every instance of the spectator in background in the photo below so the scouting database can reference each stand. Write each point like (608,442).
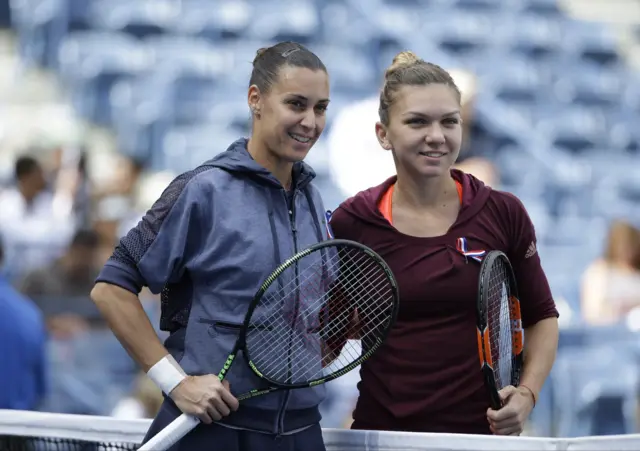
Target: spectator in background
(35,232)
(61,289)
(143,402)
(22,349)
(88,368)
(611,284)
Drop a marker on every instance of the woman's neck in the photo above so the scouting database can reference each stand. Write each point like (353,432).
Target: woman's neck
(280,169)
(422,193)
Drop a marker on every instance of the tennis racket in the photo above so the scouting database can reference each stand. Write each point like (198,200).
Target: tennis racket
(500,333)
(304,322)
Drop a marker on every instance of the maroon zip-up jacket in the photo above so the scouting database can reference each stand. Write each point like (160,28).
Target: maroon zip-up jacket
(426,377)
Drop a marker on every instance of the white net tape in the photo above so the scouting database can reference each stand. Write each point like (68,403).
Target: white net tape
(111,430)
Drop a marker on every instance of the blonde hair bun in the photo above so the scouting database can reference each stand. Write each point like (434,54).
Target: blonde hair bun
(403,59)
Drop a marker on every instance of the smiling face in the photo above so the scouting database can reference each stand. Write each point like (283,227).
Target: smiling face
(424,129)
(290,117)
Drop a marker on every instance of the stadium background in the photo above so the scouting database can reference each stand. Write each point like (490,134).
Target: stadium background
(113,98)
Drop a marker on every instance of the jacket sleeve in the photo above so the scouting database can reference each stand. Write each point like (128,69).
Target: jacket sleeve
(536,299)
(158,250)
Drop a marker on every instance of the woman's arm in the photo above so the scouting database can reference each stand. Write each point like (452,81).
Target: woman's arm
(155,253)
(130,324)
(541,343)
(539,319)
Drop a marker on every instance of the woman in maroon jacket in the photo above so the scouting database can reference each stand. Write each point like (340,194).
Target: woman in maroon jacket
(426,378)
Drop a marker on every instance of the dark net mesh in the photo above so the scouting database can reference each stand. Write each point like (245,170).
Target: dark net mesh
(20,443)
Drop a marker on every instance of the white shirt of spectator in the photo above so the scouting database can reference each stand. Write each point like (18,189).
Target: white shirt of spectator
(356,159)
(34,236)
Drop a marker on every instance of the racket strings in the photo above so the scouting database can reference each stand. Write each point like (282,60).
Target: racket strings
(342,321)
(499,319)
(322,319)
(344,317)
(338,326)
(299,345)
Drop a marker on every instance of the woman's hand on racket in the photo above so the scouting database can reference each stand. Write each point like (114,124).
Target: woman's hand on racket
(204,397)
(511,418)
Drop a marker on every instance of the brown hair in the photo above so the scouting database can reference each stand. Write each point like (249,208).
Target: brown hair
(270,60)
(409,70)
(623,235)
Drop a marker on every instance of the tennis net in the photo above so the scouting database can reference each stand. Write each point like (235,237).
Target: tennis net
(36,431)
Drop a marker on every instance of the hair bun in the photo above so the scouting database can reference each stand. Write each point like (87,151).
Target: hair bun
(403,59)
(259,53)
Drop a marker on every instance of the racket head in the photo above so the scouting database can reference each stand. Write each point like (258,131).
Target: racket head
(499,326)
(303,323)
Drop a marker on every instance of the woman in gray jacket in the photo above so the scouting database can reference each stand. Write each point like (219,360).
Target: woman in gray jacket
(207,244)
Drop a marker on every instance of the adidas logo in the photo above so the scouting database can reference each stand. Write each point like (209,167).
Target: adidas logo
(531,251)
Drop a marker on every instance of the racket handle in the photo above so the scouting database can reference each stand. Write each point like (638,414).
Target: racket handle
(167,437)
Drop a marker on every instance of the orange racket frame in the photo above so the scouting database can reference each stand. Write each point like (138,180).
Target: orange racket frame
(489,263)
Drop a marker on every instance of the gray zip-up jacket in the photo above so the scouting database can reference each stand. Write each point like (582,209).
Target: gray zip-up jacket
(207,245)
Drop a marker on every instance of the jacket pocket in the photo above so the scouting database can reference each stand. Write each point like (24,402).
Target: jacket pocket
(220,327)
(225,327)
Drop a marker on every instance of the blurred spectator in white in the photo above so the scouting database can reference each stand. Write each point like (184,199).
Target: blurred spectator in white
(482,169)
(61,289)
(144,402)
(36,230)
(352,142)
(611,285)
(23,379)
(123,199)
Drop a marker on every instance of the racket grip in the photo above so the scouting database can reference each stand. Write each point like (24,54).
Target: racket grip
(167,437)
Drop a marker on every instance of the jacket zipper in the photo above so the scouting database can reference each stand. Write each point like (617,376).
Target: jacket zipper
(294,233)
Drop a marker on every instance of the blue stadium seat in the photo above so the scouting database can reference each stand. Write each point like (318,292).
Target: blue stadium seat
(285,20)
(624,134)
(575,130)
(461,34)
(343,24)
(217,20)
(40,26)
(548,8)
(199,52)
(478,5)
(604,381)
(391,20)
(532,36)
(91,62)
(186,147)
(590,42)
(140,19)
(590,87)
(517,80)
(78,14)
(351,72)
(134,109)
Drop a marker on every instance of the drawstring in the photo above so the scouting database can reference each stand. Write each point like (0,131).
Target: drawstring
(316,222)
(314,214)
(274,236)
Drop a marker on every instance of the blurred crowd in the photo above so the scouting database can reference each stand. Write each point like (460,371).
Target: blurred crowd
(57,231)
(64,205)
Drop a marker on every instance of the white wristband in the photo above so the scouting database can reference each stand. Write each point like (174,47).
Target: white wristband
(166,374)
